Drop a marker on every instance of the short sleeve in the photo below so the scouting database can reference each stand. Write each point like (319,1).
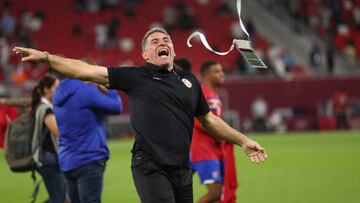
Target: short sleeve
(49,111)
(122,78)
(202,106)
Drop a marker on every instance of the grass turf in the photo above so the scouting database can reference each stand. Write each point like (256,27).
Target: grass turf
(303,167)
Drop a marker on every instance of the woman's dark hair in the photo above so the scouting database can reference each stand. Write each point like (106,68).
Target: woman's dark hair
(38,90)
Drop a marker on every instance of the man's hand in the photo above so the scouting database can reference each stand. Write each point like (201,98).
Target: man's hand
(102,88)
(28,54)
(255,152)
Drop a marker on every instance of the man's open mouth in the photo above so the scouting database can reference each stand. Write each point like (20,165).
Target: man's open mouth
(163,52)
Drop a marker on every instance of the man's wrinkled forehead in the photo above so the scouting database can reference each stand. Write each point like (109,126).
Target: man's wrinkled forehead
(157,36)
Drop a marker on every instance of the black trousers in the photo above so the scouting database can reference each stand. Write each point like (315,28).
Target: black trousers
(156,183)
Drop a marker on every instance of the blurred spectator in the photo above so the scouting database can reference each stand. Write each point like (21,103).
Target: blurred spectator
(288,61)
(25,20)
(113,31)
(276,60)
(5,67)
(130,7)
(186,20)
(7,24)
(357,17)
(92,6)
(126,44)
(340,106)
(38,20)
(101,35)
(203,2)
(23,30)
(350,53)
(112,3)
(223,9)
(236,31)
(169,17)
(4,52)
(79,5)
(315,58)
(259,109)
(250,27)
(32,22)
(330,58)
(276,122)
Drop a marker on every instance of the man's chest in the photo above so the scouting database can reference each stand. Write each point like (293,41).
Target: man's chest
(170,90)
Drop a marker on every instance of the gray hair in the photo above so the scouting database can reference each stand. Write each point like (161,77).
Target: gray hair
(151,31)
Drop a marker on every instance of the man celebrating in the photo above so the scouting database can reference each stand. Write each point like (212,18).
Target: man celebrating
(213,159)
(163,103)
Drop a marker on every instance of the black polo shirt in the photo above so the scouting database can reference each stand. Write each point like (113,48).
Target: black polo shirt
(162,108)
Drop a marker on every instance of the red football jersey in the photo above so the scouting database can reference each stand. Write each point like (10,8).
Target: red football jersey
(230,177)
(7,114)
(204,146)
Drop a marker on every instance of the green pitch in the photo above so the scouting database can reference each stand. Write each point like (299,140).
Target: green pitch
(304,168)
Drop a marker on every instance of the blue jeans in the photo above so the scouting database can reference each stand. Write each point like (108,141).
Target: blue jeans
(53,178)
(85,183)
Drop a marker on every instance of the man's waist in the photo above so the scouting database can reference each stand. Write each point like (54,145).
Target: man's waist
(140,154)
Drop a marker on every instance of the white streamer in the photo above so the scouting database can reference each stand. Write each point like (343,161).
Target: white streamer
(206,44)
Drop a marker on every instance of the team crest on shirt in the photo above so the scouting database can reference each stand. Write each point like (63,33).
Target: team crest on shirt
(215,174)
(187,82)
(215,105)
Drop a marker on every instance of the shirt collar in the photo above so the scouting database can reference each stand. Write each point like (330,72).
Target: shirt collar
(158,69)
(46,101)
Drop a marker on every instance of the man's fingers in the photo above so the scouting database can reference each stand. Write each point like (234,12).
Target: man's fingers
(256,152)
(262,157)
(21,51)
(258,157)
(20,48)
(27,58)
(252,158)
(265,155)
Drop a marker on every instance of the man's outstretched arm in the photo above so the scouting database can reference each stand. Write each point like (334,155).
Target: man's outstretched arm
(69,67)
(221,130)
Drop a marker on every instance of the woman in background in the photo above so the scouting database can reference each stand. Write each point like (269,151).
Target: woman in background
(46,156)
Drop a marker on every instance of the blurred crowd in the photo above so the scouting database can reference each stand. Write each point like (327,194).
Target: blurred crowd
(337,22)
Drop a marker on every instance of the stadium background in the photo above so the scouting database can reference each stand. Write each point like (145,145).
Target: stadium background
(312,49)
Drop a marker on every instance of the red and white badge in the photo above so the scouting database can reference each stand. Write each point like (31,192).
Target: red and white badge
(187,82)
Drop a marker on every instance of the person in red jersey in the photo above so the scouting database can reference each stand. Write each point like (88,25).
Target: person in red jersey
(340,106)
(213,159)
(8,112)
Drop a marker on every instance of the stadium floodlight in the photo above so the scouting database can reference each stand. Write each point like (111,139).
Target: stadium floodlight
(244,46)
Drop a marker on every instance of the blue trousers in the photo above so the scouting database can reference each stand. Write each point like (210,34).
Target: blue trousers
(53,178)
(85,183)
